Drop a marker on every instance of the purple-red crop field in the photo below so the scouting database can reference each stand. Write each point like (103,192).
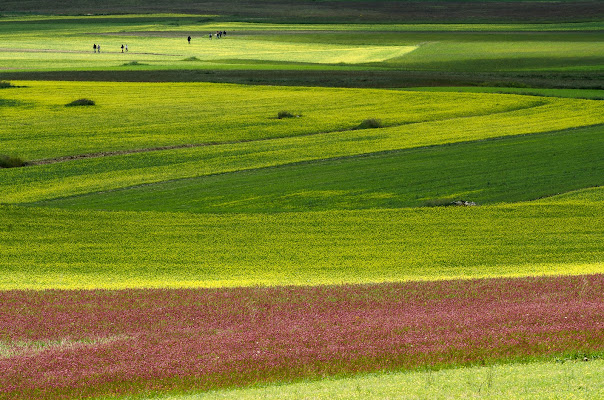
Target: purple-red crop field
(73,344)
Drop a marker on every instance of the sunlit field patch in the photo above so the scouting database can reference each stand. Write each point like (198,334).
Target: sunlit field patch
(167,340)
(50,248)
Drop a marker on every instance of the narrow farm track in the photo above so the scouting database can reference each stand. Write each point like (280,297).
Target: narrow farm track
(127,341)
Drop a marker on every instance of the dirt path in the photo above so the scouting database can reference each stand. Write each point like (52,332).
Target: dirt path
(121,153)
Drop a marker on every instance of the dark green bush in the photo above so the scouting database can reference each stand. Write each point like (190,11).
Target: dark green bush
(371,123)
(80,102)
(132,63)
(285,114)
(11,161)
(4,85)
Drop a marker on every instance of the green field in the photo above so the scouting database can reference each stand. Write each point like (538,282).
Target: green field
(182,174)
(504,54)
(568,380)
(90,249)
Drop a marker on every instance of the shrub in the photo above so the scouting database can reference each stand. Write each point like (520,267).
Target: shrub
(187,59)
(4,85)
(285,114)
(11,161)
(80,102)
(132,63)
(371,123)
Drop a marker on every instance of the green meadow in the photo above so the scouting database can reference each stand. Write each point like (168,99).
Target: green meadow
(294,151)
(535,381)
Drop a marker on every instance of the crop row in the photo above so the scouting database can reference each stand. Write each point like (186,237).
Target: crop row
(116,342)
(51,248)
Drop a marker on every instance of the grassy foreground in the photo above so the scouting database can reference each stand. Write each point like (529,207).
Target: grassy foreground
(532,381)
(145,341)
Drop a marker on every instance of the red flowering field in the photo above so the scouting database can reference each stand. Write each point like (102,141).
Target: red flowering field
(65,344)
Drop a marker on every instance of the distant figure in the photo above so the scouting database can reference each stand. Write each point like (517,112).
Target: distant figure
(126,47)
(189,39)
(224,33)
(122,48)
(98,48)
(94,47)
(210,36)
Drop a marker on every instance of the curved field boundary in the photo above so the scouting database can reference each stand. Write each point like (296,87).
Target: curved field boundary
(509,169)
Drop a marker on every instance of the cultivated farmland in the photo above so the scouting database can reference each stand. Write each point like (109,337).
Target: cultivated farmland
(309,206)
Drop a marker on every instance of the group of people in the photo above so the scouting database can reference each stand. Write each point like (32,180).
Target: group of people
(97,48)
(219,34)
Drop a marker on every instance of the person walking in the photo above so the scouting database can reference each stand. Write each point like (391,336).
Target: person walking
(126,48)
(94,47)
(189,39)
(98,48)
(122,48)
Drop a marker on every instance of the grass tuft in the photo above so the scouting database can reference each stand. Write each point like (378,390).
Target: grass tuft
(80,102)
(191,59)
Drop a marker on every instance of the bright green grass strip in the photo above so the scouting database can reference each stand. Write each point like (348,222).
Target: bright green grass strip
(502,56)
(507,170)
(532,381)
(77,52)
(52,248)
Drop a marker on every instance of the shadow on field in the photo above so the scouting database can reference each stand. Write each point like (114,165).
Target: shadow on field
(358,79)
